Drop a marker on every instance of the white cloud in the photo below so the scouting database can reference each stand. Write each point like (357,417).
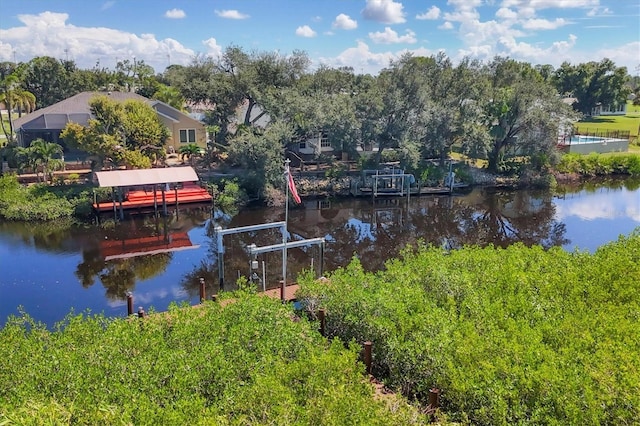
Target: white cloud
(213,49)
(446,26)
(231,14)
(49,34)
(363,60)
(546,4)
(175,14)
(384,11)
(599,11)
(506,14)
(553,54)
(344,22)
(625,55)
(305,31)
(431,14)
(107,5)
(544,24)
(388,36)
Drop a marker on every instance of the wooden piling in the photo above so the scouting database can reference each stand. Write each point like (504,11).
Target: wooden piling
(203,295)
(129,304)
(322,318)
(367,355)
(141,313)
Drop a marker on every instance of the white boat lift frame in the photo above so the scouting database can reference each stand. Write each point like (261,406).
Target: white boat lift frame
(222,232)
(255,250)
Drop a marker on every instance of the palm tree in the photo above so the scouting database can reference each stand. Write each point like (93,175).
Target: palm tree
(45,153)
(170,96)
(190,151)
(13,96)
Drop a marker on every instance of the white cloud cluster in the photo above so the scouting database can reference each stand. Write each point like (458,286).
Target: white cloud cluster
(305,31)
(384,11)
(175,14)
(231,14)
(388,36)
(431,14)
(344,22)
(49,34)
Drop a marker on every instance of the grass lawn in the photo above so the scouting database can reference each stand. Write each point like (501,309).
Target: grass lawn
(629,122)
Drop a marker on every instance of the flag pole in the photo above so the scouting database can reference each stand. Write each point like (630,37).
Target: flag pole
(285,233)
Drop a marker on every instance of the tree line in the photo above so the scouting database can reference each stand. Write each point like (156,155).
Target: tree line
(417,107)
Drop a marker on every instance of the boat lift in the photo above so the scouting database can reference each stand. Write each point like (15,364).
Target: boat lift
(254,250)
(222,232)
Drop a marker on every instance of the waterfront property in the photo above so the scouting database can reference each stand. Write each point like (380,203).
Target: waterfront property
(47,123)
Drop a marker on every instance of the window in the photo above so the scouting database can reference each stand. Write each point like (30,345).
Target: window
(187,135)
(302,145)
(324,141)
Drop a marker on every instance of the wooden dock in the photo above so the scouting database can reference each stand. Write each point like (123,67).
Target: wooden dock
(289,294)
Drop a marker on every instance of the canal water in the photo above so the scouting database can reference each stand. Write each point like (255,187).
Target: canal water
(50,270)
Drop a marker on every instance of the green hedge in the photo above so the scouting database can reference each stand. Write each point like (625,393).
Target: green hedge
(42,202)
(510,336)
(599,164)
(249,362)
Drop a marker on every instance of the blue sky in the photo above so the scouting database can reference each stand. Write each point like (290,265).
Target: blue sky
(363,34)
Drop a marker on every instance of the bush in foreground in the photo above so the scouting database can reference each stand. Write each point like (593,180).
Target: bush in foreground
(248,362)
(510,336)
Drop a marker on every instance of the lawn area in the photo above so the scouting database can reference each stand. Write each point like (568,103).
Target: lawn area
(629,122)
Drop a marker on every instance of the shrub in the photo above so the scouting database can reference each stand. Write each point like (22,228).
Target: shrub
(510,336)
(252,361)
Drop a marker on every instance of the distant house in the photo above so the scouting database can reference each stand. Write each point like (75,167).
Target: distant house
(47,123)
(619,109)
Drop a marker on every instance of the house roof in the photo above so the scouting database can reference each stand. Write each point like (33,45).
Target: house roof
(119,178)
(76,109)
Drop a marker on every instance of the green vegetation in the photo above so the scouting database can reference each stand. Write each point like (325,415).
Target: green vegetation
(510,336)
(600,164)
(251,361)
(42,202)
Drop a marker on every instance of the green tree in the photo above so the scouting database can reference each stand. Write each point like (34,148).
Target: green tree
(523,114)
(117,132)
(50,80)
(13,96)
(170,96)
(593,83)
(260,155)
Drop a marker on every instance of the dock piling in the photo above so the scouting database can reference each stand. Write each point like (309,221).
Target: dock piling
(203,295)
(129,304)
(367,355)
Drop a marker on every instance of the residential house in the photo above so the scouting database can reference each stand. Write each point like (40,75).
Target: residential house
(615,109)
(47,123)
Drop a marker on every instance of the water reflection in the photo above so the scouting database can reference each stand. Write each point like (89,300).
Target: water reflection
(50,268)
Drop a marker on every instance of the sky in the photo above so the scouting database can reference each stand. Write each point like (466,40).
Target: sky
(363,34)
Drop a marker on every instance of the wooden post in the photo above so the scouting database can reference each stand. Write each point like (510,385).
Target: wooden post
(203,294)
(367,355)
(282,291)
(322,318)
(129,303)
(164,201)
(434,398)
(434,403)
(141,312)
